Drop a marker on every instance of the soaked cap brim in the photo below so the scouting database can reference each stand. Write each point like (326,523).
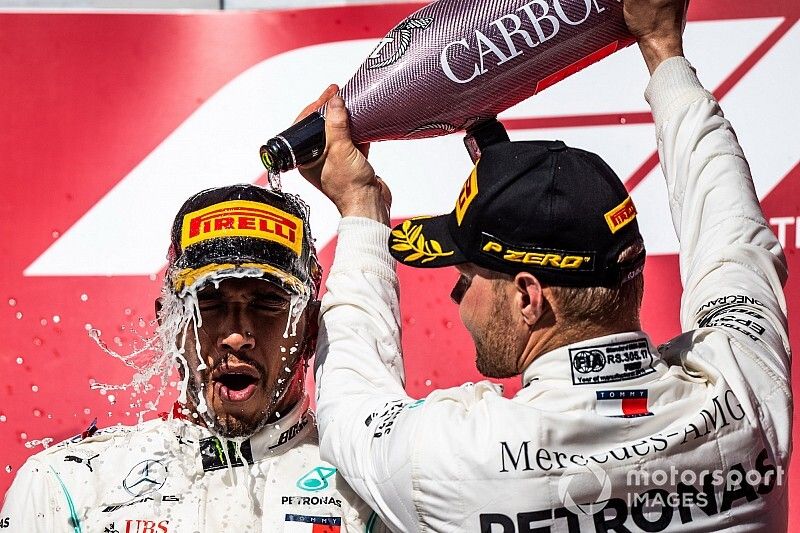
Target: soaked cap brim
(189,279)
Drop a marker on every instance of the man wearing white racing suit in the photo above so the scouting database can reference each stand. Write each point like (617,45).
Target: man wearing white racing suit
(609,432)
(240,450)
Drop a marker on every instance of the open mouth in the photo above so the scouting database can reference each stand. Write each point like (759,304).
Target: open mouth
(236,385)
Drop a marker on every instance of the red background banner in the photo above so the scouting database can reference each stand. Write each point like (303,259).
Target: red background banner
(90,100)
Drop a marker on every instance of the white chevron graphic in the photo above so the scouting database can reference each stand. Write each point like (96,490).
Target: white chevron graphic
(218,144)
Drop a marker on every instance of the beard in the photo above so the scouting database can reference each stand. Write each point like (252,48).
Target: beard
(231,427)
(228,424)
(495,349)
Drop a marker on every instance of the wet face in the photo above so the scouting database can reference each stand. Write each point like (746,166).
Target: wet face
(246,371)
(484,306)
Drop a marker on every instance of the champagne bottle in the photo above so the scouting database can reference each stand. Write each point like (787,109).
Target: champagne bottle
(455,64)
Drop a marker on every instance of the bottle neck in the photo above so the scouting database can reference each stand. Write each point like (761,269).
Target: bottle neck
(302,143)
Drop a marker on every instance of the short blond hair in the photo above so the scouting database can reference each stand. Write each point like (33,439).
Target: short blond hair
(579,306)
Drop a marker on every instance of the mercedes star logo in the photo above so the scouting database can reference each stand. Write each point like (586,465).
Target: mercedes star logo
(145,477)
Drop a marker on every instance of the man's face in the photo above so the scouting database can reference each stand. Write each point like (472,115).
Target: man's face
(252,371)
(484,306)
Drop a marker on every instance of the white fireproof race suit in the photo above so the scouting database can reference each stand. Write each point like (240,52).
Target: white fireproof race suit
(608,434)
(173,477)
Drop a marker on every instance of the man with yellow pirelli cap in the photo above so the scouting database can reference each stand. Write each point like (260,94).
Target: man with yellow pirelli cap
(609,433)
(238,313)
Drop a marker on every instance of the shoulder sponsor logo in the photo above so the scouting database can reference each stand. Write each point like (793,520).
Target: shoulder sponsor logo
(242,218)
(622,403)
(82,460)
(146,477)
(609,363)
(549,258)
(621,216)
(731,299)
(391,410)
(300,523)
(468,193)
(316,479)
(736,312)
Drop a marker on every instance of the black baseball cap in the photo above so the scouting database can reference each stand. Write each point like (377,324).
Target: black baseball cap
(538,206)
(243,231)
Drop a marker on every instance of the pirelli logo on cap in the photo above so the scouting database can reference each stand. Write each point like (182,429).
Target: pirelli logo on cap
(242,218)
(468,193)
(538,257)
(621,215)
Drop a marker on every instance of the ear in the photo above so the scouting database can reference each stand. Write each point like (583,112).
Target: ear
(158,305)
(529,299)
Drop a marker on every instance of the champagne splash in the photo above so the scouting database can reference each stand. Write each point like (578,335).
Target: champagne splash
(274,180)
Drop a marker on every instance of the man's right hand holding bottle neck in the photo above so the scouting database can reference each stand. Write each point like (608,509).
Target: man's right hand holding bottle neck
(343,173)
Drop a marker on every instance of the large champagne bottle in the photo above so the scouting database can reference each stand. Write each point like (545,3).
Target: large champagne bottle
(455,64)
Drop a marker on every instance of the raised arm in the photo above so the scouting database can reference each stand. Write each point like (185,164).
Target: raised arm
(359,368)
(732,266)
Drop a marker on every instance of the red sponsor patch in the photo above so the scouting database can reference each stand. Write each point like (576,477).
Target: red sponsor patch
(622,403)
(621,215)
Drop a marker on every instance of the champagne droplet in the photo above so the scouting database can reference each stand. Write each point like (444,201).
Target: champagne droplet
(274,179)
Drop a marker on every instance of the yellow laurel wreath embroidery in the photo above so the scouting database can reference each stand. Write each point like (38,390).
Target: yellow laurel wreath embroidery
(409,238)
